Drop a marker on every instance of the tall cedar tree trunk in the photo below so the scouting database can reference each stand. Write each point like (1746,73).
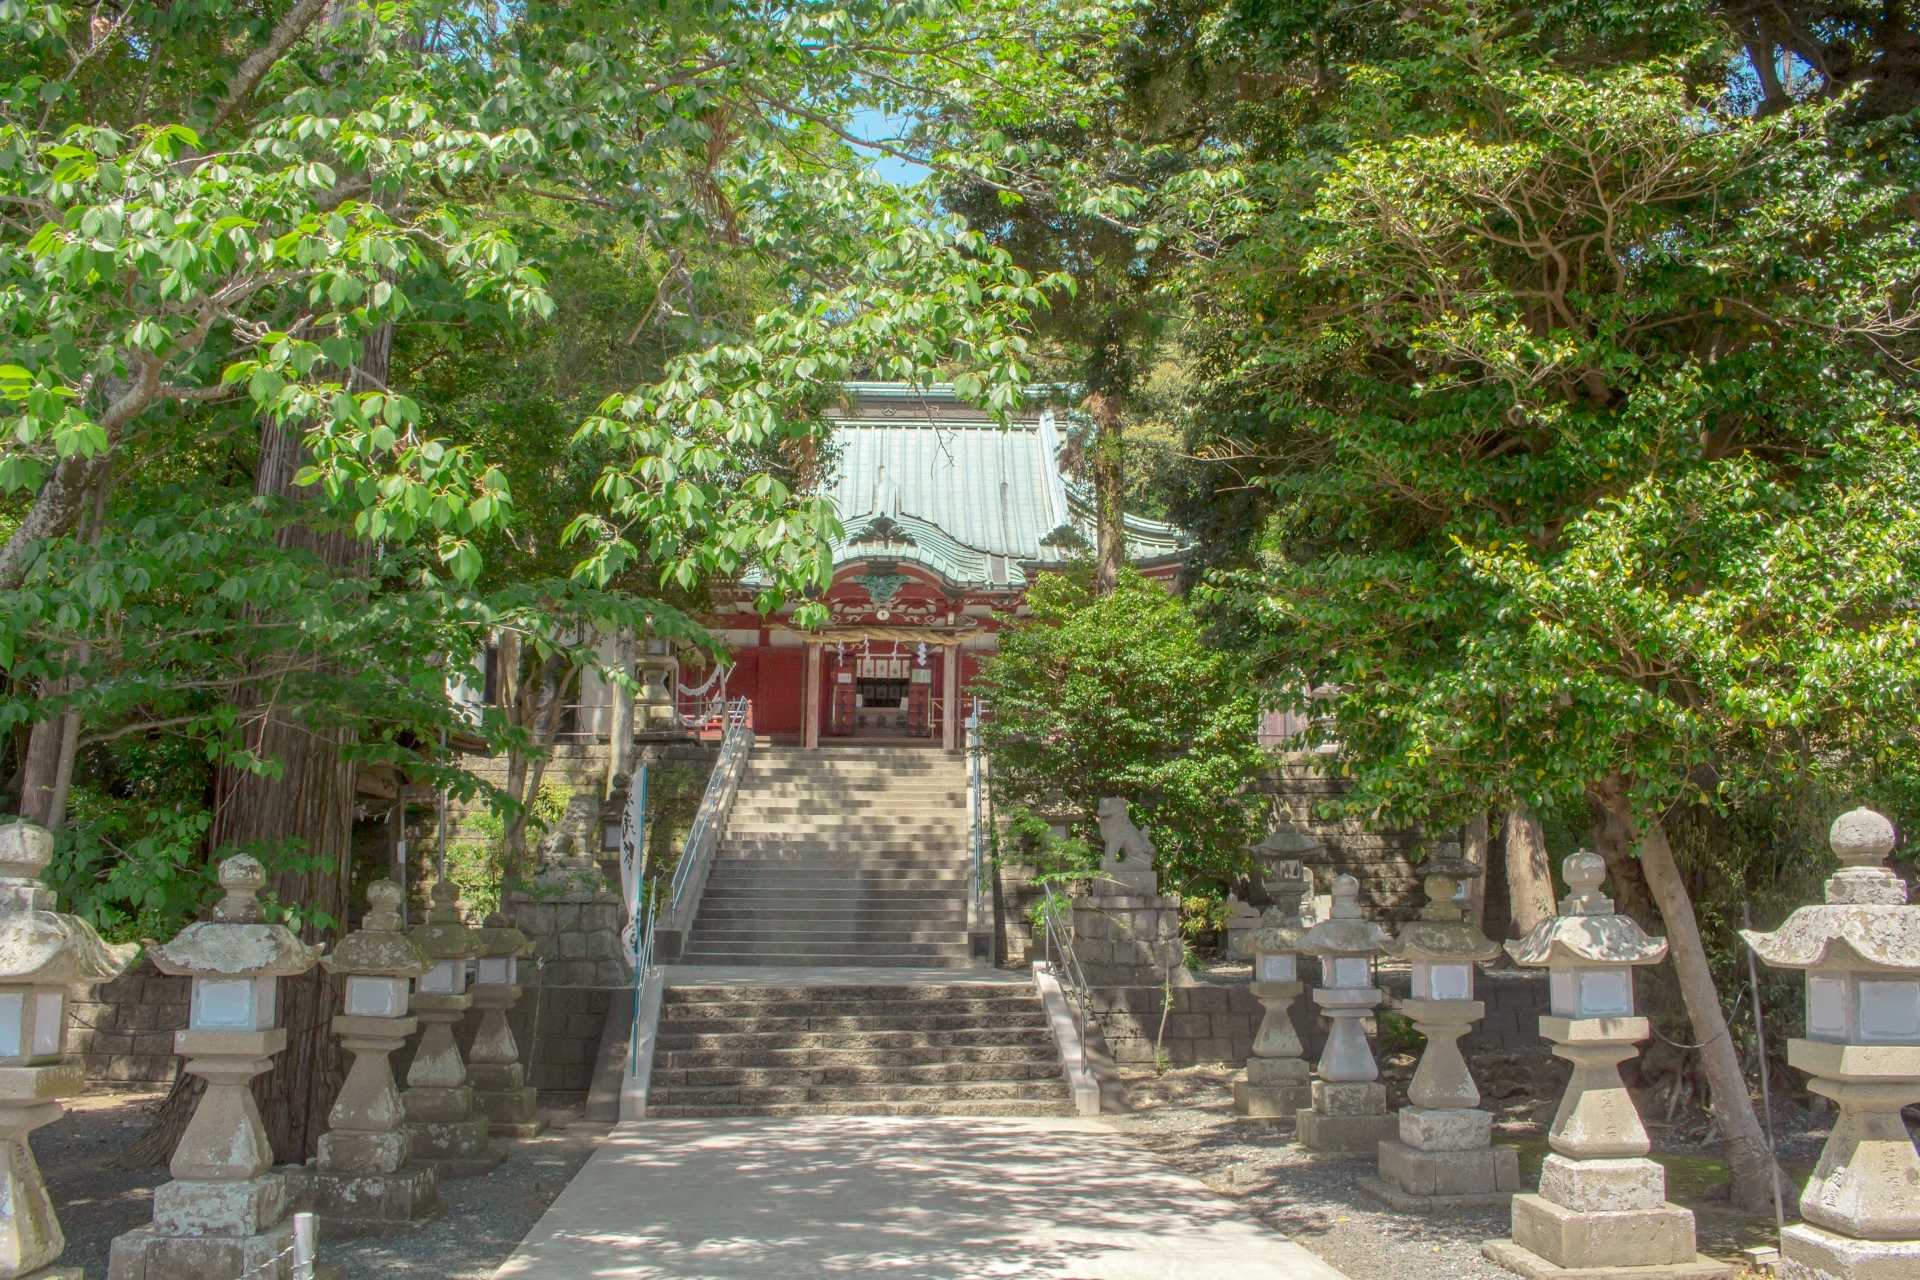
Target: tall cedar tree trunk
(1529,874)
(524,695)
(1109,489)
(312,802)
(1476,844)
(1733,1114)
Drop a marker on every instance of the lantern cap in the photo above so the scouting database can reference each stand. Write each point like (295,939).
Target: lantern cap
(1346,934)
(1587,930)
(235,939)
(499,939)
(443,936)
(378,949)
(1277,933)
(1865,922)
(1843,937)
(1286,842)
(38,945)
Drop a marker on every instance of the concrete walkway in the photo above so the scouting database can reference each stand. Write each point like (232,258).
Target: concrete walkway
(918,1199)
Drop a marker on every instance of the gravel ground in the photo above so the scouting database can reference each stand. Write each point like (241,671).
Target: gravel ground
(483,1221)
(1186,1117)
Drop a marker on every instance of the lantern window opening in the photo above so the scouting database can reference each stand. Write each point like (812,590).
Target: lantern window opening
(1351,972)
(495,971)
(376,997)
(233,1004)
(1442,980)
(1889,1011)
(1277,966)
(449,977)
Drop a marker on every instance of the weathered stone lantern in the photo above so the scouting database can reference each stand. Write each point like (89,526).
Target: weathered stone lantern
(1349,1111)
(1444,1157)
(42,952)
(364,1180)
(1278,1083)
(438,1099)
(1602,1203)
(500,1089)
(1861,954)
(223,1216)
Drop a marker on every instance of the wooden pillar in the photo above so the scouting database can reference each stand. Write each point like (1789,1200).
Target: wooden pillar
(810,699)
(951,718)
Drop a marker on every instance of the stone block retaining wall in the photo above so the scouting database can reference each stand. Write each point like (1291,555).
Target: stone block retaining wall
(123,1030)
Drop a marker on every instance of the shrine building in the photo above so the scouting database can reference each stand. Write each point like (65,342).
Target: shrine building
(947,515)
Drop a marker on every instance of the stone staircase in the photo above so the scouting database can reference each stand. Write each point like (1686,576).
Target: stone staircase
(926,1050)
(838,857)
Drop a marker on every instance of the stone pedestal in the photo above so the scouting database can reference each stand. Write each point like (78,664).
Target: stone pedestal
(446,1130)
(1861,954)
(1349,1111)
(1128,939)
(43,953)
(1345,1117)
(223,1217)
(364,1181)
(1602,1208)
(1278,1082)
(1442,1155)
(499,1082)
(30,1237)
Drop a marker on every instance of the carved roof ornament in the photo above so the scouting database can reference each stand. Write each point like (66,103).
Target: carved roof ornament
(1587,930)
(886,531)
(1865,922)
(236,939)
(39,945)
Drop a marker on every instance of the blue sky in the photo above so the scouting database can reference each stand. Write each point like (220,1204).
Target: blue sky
(876,125)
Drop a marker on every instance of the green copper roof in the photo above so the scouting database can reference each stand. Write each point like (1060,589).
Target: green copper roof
(923,478)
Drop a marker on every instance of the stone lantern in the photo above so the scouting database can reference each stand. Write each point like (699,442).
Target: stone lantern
(364,1180)
(224,1215)
(438,1099)
(500,1089)
(42,952)
(1861,954)
(1602,1203)
(1277,1084)
(1444,1157)
(1349,1111)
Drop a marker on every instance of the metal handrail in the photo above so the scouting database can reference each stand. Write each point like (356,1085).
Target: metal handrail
(976,779)
(722,784)
(1053,915)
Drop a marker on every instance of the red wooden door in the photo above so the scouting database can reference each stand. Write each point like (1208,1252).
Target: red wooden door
(778,706)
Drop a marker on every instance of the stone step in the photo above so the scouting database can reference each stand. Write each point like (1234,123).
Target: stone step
(777,1094)
(680,1011)
(764,1024)
(780,855)
(761,951)
(785,871)
(713,933)
(697,993)
(929,1073)
(998,1107)
(1017,1055)
(802,960)
(844,1041)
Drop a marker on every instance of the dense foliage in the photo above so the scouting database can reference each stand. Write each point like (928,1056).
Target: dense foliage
(1117,695)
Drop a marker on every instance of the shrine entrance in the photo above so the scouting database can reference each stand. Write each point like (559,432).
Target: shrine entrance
(884,689)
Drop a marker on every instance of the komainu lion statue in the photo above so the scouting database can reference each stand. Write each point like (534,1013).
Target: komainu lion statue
(1128,861)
